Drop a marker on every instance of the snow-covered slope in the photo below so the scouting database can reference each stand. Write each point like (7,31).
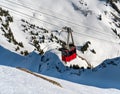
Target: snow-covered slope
(14,81)
(30,35)
(96,22)
(104,76)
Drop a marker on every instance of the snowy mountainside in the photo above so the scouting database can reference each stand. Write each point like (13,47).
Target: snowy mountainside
(105,75)
(14,81)
(30,34)
(96,22)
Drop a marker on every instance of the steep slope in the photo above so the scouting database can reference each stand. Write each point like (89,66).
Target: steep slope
(30,34)
(18,82)
(14,81)
(96,22)
(105,75)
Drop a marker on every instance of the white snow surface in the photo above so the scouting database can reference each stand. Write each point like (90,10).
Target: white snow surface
(83,17)
(14,81)
(102,79)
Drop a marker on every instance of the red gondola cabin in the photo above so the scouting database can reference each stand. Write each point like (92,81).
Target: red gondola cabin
(68,55)
(68,50)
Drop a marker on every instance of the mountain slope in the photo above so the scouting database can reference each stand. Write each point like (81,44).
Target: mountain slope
(16,81)
(96,22)
(19,82)
(31,35)
(105,75)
